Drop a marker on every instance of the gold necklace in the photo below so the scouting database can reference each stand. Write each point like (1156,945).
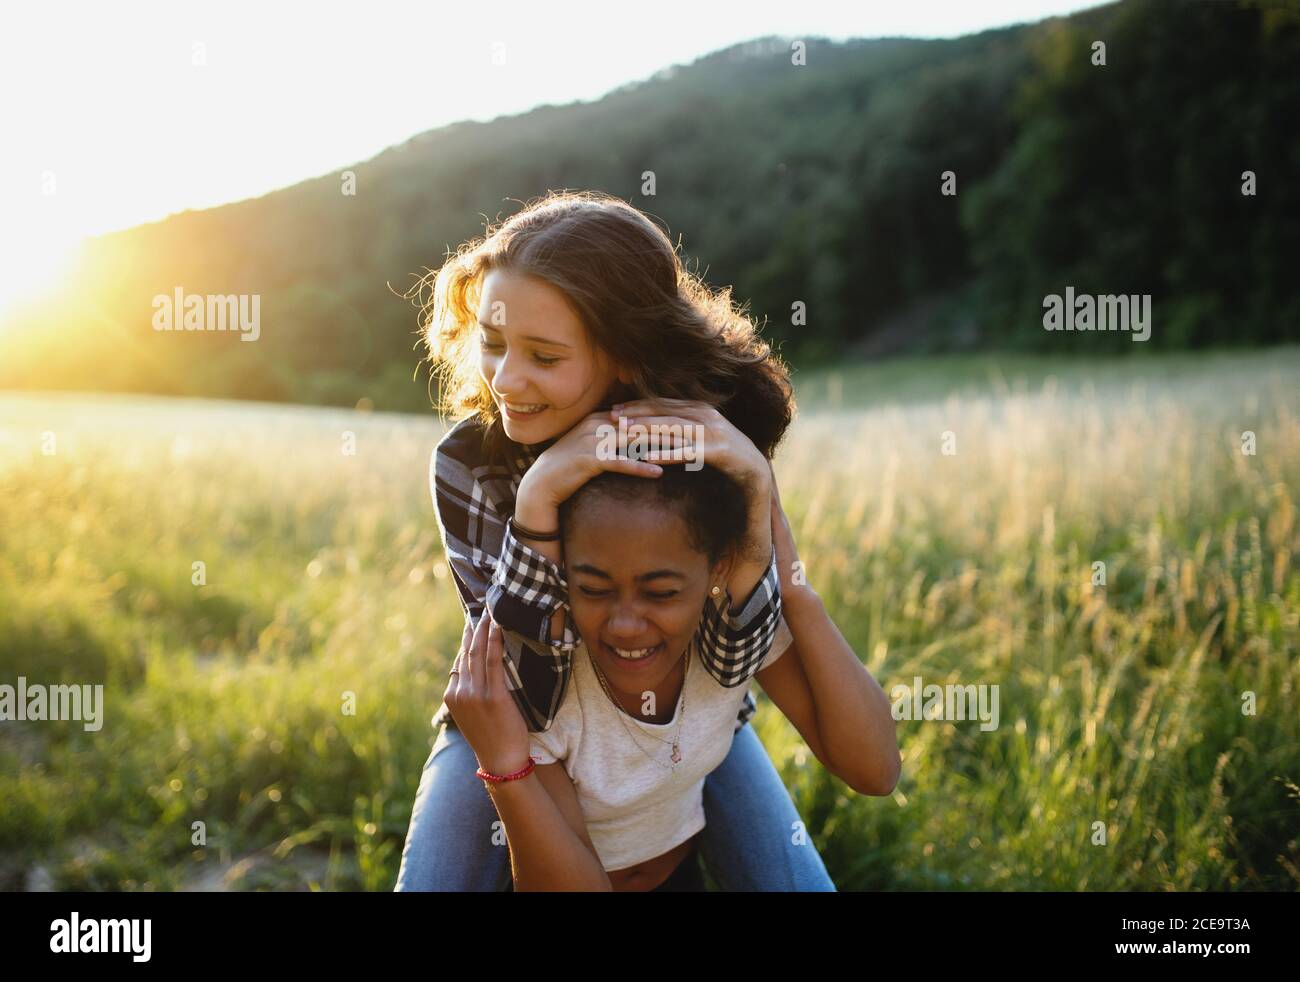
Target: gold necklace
(676,756)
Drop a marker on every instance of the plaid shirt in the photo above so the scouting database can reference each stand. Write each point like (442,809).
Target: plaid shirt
(524,588)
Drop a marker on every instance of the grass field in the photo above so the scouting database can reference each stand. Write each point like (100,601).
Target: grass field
(1119,704)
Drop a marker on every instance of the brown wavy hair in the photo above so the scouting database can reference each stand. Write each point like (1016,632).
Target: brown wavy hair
(678,337)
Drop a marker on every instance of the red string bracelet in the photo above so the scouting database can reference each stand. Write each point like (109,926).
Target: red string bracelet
(485,775)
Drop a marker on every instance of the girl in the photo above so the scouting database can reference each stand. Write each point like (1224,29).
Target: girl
(617,798)
(577,301)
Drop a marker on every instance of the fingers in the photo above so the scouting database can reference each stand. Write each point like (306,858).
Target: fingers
(662,401)
(626,465)
(675,454)
(671,437)
(682,407)
(457,670)
(685,427)
(637,405)
(466,639)
(474,654)
(496,670)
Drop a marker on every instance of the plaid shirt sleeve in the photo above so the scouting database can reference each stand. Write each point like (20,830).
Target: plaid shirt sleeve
(734,645)
(473,536)
(527,588)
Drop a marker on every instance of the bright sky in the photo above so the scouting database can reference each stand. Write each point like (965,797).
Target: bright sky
(107,121)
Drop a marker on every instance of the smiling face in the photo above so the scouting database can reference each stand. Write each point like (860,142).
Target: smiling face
(635,582)
(543,370)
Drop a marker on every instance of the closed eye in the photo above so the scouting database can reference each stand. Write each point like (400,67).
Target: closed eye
(587,591)
(542,360)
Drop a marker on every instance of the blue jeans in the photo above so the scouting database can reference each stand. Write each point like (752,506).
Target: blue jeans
(747,842)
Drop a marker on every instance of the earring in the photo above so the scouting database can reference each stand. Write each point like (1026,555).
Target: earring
(715,591)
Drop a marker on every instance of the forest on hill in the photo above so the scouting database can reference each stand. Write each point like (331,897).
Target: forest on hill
(917,195)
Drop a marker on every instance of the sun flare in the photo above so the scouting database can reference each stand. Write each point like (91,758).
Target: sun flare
(34,263)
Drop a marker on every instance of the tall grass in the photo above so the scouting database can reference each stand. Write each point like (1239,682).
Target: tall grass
(1120,704)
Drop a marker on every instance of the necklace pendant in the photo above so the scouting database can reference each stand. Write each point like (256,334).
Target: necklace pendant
(677,755)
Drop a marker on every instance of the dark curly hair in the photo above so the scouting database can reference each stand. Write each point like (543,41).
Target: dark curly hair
(710,502)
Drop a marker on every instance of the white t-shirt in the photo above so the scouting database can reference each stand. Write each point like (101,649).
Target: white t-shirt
(636,807)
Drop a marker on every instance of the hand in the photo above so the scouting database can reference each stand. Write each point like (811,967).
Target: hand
(713,440)
(481,706)
(575,459)
(709,435)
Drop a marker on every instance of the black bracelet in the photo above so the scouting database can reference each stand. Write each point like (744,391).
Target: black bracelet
(526,533)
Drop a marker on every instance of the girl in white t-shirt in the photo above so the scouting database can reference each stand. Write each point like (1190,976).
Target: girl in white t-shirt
(610,797)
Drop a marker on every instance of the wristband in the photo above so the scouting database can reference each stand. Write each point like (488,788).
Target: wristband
(498,778)
(527,533)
